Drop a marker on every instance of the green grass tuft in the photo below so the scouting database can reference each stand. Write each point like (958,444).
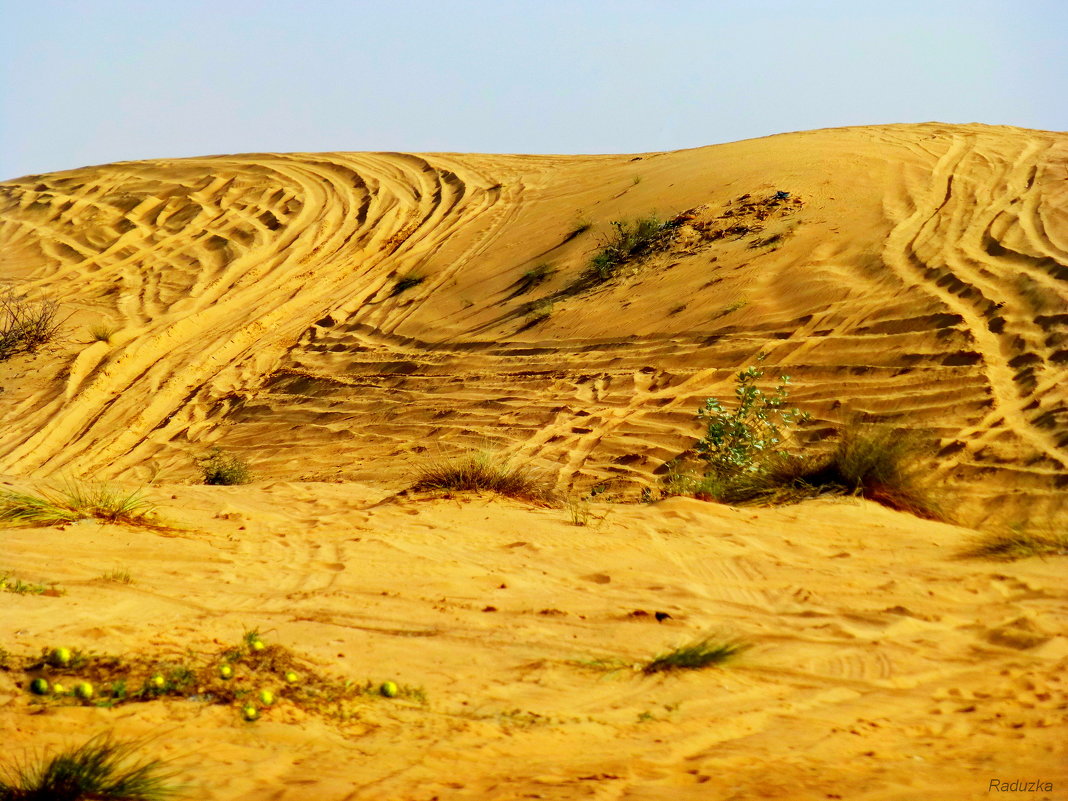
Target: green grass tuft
(73,503)
(485,470)
(101,769)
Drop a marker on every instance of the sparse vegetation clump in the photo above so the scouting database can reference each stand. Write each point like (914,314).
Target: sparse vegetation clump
(102,332)
(73,503)
(101,769)
(119,575)
(703,653)
(539,311)
(746,462)
(220,468)
(743,440)
(406,282)
(628,240)
(535,277)
(696,656)
(25,325)
(252,677)
(1017,543)
(485,470)
(8,583)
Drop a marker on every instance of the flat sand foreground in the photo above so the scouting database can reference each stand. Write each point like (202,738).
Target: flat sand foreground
(335,320)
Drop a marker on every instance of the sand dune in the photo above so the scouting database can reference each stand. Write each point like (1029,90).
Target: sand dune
(336,318)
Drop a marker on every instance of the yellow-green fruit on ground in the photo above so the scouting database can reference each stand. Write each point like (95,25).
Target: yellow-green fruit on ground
(226,672)
(257,645)
(60,657)
(388,689)
(39,687)
(84,690)
(58,689)
(250,712)
(292,677)
(266,697)
(157,681)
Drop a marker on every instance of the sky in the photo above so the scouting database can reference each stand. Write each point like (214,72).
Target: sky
(97,81)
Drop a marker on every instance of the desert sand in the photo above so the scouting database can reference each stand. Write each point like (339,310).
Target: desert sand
(337,319)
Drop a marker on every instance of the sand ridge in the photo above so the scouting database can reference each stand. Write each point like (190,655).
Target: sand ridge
(920,280)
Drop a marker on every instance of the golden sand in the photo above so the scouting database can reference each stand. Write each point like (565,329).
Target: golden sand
(915,274)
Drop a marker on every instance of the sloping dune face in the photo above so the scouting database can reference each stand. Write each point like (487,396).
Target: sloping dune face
(333,316)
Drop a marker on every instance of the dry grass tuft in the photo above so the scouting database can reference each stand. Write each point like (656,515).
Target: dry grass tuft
(1008,546)
(485,470)
(696,656)
(101,769)
(25,325)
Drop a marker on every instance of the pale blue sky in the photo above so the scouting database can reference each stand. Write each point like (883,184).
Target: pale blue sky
(93,82)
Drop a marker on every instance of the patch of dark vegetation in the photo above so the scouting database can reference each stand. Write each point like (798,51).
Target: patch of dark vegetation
(485,471)
(696,656)
(629,240)
(1018,543)
(219,468)
(26,325)
(745,460)
(406,282)
(532,279)
(101,769)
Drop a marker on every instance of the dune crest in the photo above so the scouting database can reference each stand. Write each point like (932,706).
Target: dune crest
(919,279)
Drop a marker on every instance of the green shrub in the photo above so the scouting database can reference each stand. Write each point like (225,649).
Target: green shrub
(221,468)
(24,325)
(745,461)
(101,769)
(741,441)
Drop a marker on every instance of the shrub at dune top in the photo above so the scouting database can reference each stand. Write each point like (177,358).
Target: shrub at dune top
(222,468)
(484,471)
(101,769)
(75,502)
(25,325)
